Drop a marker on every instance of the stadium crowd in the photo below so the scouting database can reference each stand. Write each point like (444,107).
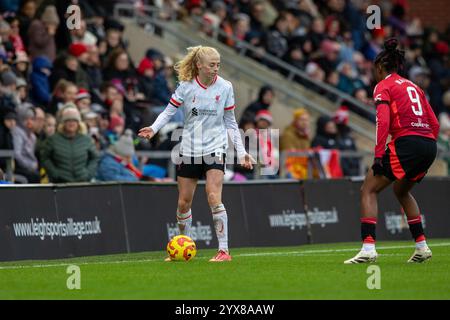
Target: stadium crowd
(330,42)
(71,101)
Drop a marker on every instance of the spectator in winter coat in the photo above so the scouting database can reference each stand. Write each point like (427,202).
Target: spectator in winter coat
(7,123)
(275,41)
(41,34)
(67,67)
(24,141)
(116,163)
(39,80)
(296,136)
(70,155)
(326,133)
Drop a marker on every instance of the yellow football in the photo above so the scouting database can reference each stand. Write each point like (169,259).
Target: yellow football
(181,248)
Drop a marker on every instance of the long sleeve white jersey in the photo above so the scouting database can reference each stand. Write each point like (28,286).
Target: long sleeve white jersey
(209,114)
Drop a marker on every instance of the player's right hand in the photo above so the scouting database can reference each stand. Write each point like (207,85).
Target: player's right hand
(377,167)
(146,133)
(247,161)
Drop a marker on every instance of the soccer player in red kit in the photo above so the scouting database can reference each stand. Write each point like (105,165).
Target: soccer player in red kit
(404,113)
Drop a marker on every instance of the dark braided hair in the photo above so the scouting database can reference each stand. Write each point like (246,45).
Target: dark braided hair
(391,58)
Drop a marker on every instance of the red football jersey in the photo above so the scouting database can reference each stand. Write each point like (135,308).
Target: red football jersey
(402,110)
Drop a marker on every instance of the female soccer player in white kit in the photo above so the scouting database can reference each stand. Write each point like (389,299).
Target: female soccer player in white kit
(208,102)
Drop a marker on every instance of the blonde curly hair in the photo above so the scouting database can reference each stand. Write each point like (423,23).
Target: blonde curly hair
(187,67)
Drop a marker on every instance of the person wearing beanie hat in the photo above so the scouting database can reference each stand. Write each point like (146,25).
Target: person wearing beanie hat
(296,136)
(83,100)
(146,78)
(144,66)
(116,163)
(20,82)
(341,116)
(21,90)
(77,49)
(115,129)
(8,79)
(82,94)
(263,119)
(117,123)
(50,15)
(69,155)
(41,34)
(70,114)
(124,147)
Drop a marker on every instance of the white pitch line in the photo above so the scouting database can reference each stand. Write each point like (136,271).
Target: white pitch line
(444,244)
(288,253)
(74,263)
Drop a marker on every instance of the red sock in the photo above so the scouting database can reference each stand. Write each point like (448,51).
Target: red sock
(368,230)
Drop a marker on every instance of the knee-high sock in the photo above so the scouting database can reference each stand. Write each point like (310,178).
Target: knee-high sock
(220,219)
(368,233)
(185,222)
(416,228)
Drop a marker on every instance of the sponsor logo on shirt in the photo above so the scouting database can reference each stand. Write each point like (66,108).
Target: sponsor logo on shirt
(203,112)
(420,124)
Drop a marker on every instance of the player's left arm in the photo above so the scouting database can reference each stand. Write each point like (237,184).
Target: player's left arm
(233,130)
(382,101)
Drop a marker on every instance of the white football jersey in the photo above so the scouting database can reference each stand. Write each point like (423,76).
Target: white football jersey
(204,130)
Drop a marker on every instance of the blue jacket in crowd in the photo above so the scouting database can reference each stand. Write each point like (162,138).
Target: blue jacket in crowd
(40,84)
(110,170)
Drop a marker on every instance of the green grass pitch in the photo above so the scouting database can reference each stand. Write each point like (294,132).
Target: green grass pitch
(300,272)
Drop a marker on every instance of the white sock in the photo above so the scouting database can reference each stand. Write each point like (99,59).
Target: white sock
(184,222)
(368,246)
(421,244)
(220,219)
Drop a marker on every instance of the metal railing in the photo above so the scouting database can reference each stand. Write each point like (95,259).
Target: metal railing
(284,155)
(312,155)
(160,155)
(314,162)
(289,70)
(131,10)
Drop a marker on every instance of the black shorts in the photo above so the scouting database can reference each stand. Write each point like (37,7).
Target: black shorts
(196,167)
(409,157)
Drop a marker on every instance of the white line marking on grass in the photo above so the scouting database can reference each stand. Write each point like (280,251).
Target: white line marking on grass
(76,263)
(287,253)
(301,252)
